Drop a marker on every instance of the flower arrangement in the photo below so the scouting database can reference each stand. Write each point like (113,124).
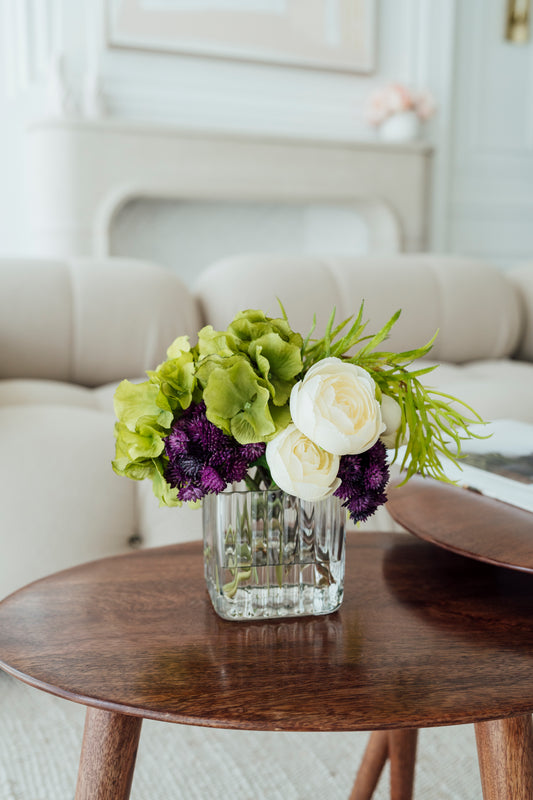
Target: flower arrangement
(259,403)
(395,98)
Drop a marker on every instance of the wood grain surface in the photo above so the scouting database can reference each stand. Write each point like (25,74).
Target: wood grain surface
(424,637)
(402,755)
(505,754)
(465,522)
(108,755)
(399,747)
(371,767)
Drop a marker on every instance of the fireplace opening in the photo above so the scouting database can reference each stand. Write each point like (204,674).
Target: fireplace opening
(188,235)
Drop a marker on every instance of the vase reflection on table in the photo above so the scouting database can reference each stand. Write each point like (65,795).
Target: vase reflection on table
(268,554)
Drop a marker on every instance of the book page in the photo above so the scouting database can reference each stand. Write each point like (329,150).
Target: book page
(500,466)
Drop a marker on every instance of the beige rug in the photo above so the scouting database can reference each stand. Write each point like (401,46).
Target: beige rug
(40,738)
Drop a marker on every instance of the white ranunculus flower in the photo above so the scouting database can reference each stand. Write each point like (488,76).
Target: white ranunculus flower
(300,467)
(392,417)
(335,406)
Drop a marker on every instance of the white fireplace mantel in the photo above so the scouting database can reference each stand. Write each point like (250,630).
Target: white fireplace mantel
(83,172)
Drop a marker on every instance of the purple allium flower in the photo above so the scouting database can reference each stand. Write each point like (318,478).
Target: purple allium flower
(202,459)
(363,481)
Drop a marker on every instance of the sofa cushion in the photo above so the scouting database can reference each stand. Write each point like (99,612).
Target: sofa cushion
(61,502)
(31,391)
(495,388)
(160,526)
(476,310)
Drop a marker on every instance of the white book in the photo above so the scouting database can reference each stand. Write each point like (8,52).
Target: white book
(500,466)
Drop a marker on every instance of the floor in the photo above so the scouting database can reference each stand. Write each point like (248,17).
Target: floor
(40,739)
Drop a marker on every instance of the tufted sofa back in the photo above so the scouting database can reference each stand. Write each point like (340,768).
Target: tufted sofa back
(88,321)
(91,322)
(475,308)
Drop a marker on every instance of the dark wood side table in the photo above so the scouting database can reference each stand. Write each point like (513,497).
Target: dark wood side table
(465,522)
(424,638)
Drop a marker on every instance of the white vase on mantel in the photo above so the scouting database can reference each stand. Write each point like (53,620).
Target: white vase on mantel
(401,127)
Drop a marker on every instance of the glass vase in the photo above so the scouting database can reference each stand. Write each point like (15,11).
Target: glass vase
(268,554)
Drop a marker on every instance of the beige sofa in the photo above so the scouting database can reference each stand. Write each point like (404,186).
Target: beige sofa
(69,331)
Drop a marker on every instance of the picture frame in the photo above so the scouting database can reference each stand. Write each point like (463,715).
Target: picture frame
(337,35)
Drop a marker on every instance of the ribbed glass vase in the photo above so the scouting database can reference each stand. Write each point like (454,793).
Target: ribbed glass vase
(269,554)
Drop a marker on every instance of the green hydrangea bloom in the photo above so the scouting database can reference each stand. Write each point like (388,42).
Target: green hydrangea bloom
(244,374)
(176,376)
(145,412)
(273,347)
(142,425)
(137,406)
(248,373)
(216,343)
(236,398)
(127,460)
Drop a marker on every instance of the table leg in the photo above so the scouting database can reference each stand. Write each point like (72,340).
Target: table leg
(402,754)
(400,747)
(108,755)
(375,756)
(505,753)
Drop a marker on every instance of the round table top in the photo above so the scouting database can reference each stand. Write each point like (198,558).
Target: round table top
(465,522)
(423,637)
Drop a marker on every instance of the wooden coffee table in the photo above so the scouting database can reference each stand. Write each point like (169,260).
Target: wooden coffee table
(424,637)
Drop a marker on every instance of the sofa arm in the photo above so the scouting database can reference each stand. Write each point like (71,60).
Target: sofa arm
(100,320)
(522,278)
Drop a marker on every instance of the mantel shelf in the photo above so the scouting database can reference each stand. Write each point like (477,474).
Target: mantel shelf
(85,171)
(109,126)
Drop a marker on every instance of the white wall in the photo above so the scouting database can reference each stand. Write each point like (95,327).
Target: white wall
(491,193)
(192,91)
(483,195)
(259,97)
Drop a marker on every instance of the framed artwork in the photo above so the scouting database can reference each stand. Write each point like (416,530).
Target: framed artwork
(321,34)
